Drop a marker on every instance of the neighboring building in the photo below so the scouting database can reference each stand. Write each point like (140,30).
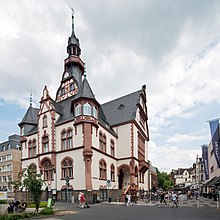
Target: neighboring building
(10,162)
(152,179)
(76,139)
(213,182)
(183,178)
(199,174)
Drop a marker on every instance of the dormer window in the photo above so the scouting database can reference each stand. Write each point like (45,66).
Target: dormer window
(22,131)
(78,110)
(87,109)
(94,113)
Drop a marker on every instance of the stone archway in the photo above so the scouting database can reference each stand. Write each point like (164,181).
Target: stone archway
(123,176)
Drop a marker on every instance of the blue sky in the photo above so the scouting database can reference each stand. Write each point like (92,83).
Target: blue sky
(171,46)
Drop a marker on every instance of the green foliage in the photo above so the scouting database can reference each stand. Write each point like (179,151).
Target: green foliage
(3,201)
(16,216)
(29,180)
(32,205)
(164,181)
(47,211)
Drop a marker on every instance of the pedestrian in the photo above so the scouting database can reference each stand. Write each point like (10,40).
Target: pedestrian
(16,205)
(83,201)
(162,199)
(174,199)
(79,199)
(128,196)
(11,207)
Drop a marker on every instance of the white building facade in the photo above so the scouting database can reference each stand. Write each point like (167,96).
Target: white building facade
(78,144)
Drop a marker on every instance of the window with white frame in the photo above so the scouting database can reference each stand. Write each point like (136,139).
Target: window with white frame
(78,110)
(95,113)
(87,109)
(9,157)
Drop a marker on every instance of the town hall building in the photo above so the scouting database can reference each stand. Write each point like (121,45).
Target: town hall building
(78,144)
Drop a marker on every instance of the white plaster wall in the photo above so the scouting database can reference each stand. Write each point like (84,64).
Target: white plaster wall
(78,139)
(124,141)
(97,156)
(78,182)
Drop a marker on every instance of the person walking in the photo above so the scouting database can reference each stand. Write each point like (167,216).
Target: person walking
(162,199)
(174,199)
(83,201)
(128,196)
(79,199)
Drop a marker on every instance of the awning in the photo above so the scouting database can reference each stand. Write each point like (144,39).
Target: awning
(211,182)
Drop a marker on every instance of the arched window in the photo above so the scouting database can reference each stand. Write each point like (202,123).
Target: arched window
(104,143)
(29,148)
(102,170)
(78,110)
(112,146)
(94,112)
(45,143)
(63,140)
(9,146)
(67,168)
(48,171)
(70,139)
(87,109)
(32,148)
(44,121)
(3,148)
(112,172)
(100,141)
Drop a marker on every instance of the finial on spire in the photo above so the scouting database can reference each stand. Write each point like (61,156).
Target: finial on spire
(73,12)
(31,98)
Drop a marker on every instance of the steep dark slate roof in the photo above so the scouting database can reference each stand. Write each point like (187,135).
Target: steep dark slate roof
(122,109)
(85,90)
(31,116)
(65,105)
(57,107)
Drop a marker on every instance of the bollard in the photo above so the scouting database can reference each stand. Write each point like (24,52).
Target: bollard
(197,202)
(117,201)
(217,204)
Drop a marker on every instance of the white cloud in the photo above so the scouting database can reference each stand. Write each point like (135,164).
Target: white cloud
(166,157)
(180,138)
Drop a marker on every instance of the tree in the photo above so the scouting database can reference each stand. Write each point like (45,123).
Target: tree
(164,181)
(29,180)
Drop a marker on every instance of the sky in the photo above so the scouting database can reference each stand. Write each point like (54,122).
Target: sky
(172,46)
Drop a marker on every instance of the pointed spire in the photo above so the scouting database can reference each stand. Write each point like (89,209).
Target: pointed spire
(73,33)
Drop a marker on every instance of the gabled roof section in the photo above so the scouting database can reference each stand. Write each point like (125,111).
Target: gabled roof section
(122,109)
(58,108)
(85,90)
(31,116)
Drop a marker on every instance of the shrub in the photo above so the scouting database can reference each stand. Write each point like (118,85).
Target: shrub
(3,201)
(47,211)
(32,205)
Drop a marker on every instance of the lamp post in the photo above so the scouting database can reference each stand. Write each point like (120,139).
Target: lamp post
(67,185)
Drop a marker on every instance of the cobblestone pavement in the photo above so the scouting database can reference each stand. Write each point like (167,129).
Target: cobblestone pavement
(187,210)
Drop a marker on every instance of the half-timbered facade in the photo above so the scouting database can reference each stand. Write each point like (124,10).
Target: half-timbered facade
(76,138)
